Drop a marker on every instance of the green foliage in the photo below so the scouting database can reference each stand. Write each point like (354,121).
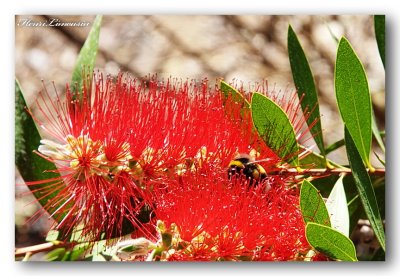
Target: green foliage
(235,97)
(319,232)
(330,242)
(334,146)
(274,127)
(379,23)
(87,55)
(380,34)
(304,81)
(340,143)
(31,166)
(56,254)
(376,133)
(365,188)
(230,92)
(312,205)
(313,159)
(78,251)
(353,98)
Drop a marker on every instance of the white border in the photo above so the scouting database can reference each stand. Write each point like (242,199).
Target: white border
(7,56)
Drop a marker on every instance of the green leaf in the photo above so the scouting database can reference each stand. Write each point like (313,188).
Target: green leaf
(274,128)
(230,92)
(379,22)
(96,253)
(337,208)
(353,97)
(312,205)
(338,144)
(315,160)
(334,146)
(330,242)
(383,162)
(87,56)
(78,251)
(234,97)
(376,133)
(31,166)
(55,255)
(325,184)
(304,81)
(365,188)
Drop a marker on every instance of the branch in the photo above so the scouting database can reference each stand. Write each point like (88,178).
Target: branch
(20,252)
(322,172)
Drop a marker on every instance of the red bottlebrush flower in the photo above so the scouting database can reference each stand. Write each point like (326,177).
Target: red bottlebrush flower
(112,137)
(214,218)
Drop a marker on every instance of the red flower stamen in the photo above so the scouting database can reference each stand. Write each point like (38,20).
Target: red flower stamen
(218,219)
(125,147)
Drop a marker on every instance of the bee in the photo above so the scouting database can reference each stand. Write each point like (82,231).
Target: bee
(246,165)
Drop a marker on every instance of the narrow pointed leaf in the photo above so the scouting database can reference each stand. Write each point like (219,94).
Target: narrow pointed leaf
(383,162)
(275,128)
(31,166)
(340,143)
(304,81)
(330,242)
(376,133)
(365,188)
(353,98)
(315,160)
(336,145)
(87,55)
(379,22)
(312,205)
(337,208)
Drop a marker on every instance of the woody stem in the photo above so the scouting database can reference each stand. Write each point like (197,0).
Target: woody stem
(19,252)
(327,171)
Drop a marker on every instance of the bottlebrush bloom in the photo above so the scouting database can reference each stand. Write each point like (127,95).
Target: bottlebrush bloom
(111,138)
(132,152)
(212,218)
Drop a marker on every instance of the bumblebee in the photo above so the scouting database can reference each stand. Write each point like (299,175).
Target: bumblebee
(246,165)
